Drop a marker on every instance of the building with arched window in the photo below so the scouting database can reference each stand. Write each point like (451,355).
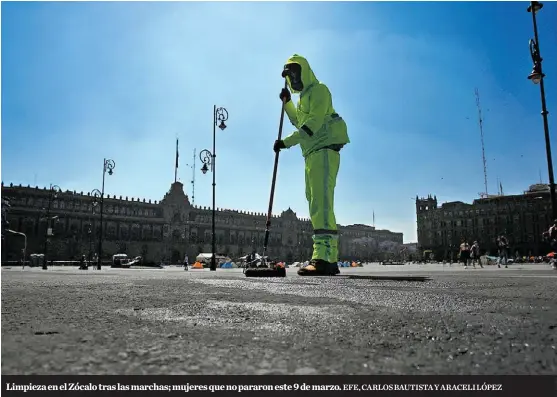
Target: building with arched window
(522,218)
(167,229)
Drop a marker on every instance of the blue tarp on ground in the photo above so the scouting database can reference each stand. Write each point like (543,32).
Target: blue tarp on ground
(227,265)
(343,264)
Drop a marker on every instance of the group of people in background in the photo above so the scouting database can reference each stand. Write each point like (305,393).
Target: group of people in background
(470,254)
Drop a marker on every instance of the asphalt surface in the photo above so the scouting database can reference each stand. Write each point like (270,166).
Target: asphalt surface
(168,321)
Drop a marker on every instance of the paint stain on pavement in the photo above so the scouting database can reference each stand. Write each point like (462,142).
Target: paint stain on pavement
(255,315)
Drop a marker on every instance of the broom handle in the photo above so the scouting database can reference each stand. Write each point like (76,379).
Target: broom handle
(275,169)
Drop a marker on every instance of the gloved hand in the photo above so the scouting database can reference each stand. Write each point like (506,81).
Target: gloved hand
(285,95)
(279,144)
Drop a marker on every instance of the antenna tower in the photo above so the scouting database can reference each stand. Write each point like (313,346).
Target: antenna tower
(480,121)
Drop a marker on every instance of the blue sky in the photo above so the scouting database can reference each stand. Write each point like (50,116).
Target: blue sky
(84,81)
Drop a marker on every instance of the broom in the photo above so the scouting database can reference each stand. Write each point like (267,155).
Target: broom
(268,270)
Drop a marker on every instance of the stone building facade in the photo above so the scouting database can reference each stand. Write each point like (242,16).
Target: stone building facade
(522,218)
(165,230)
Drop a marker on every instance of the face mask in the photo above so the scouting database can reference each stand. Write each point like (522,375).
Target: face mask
(294,73)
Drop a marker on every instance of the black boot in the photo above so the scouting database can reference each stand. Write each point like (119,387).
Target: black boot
(319,267)
(316,267)
(334,270)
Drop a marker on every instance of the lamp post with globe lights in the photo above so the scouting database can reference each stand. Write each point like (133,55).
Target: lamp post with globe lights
(220,115)
(108,167)
(537,77)
(96,193)
(53,194)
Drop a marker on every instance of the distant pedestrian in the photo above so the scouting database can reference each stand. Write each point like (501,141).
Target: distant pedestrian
(551,236)
(553,232)
(503,245)
(82,263)
(475,254)
(186,263)
(248,260)
(464,253)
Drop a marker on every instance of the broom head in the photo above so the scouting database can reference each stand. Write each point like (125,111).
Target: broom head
(275,271)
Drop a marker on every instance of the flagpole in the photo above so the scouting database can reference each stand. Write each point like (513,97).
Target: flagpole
(176,166)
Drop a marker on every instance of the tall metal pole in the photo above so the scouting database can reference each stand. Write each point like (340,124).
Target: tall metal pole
(96,194)
(532,9)
(52,192)
(187,235)
(480,122)
(193,180)
(45,267)
(90,233)
(209,159)
(24,248)
(99,259)
(24,242)
(213,242)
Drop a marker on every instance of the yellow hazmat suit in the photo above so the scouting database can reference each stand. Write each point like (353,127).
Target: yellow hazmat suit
(321,134)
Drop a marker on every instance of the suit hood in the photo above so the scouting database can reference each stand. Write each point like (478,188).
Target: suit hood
(308,78)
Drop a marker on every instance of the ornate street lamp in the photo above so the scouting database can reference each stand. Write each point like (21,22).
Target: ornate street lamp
(108,167)
(96,193)
(537,77)
(53,193)
(220,115)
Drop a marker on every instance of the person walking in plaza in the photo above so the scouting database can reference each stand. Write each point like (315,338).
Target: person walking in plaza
(503,245)
(321,134)
(475,255)
(186,263)
(464,253)
(82,263)
(249,260)
(551,237)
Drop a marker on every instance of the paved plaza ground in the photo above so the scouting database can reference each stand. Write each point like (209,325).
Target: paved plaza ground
(168,321)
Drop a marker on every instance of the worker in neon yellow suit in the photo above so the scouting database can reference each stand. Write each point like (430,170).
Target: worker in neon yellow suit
(321,134)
